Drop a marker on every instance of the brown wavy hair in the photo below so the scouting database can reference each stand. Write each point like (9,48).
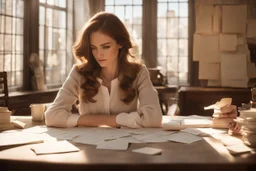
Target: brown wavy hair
(129,66)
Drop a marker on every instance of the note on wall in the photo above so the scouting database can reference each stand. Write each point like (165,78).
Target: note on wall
(209,48)
(209,71)
(227,42)
(217,19)
(204,14)
(251,28)
(233,66)
(234,18)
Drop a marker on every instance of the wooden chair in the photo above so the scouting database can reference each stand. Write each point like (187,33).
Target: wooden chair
(4,95)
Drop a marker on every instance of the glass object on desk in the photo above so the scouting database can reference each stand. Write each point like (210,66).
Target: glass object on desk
(174,109)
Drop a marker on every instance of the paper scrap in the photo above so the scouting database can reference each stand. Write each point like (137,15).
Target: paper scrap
(54,147)
(148,150)
(113,145)
(183,137)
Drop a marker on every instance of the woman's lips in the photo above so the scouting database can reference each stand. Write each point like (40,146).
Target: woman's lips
(101,60)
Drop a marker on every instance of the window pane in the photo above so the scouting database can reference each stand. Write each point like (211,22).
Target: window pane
(53,46)
(41,38)
(19,26)
(49,17)
(19,43)
(183,27)
(183,47)
(109,2)
(42,16)
(173,28)
(173,20)
(11,40)
(130,13)
(8,7)
(161,28)
(161,47)
(49,38)
(8,25)
(8,43)
(183,9)
(137,2)
(173,9)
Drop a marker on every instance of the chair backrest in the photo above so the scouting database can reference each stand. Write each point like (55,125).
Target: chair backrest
(4,95)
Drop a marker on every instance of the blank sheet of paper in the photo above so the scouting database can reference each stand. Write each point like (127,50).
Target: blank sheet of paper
(113,145)
(233,66)
(234,18)
(183,137)
(204,14)
(217,19)
(209,71)
(54,147)
(227,42)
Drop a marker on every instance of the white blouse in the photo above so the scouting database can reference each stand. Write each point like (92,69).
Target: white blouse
(143,111)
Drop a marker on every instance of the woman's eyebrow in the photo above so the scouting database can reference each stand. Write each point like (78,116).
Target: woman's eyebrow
(103,44)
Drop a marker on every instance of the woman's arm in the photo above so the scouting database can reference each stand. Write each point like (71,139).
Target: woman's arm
(59,113)
(97,120)
(149,113)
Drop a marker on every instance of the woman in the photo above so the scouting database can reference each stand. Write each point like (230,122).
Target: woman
(113,88)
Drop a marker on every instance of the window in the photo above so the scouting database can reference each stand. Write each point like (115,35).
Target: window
(172,39)
(54,31)
(130,12)
(11,40)
(44,27)
(171,44)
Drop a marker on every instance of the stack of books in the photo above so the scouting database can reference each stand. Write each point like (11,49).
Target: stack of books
(5,119)
(247,120)
(223,116)
(224,113)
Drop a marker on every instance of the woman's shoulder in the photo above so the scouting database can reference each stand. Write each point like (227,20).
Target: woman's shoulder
(142,70)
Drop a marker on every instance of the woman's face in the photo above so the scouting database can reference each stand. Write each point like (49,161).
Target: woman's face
(104,49)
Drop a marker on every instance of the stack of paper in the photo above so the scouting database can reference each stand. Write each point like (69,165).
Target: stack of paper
(5,118)
(224,113)
(248,121)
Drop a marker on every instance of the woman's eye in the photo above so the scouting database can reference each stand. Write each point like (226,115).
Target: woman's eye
(106,47)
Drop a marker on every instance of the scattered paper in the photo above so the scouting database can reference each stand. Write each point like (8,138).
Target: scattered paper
(20,138)
(183,137)
(113,145)
(148,150)
(54,147)
(238,148)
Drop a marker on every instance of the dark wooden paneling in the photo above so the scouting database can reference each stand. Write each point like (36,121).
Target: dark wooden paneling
(192,100)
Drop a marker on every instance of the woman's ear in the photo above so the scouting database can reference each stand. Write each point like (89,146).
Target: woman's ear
(120,46)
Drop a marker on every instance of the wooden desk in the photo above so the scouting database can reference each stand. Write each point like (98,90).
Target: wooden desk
(203,155)
(192,100)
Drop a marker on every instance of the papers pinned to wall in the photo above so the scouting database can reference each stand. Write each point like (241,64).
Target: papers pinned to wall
(209,71)
(204,15)
(234,18)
